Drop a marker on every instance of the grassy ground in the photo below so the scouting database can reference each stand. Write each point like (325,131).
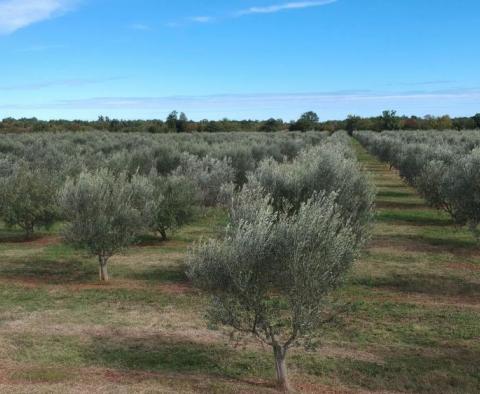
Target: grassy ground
(414,324)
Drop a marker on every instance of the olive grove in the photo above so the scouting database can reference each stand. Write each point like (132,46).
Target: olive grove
(444,167)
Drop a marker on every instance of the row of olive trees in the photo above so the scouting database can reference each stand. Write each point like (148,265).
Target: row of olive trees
(104,212)
(295,230)
(28,194)
(49,178)
(454,186)
(443,167)
(70,153)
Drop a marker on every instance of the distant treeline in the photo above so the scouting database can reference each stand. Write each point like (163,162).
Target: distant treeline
(179,123)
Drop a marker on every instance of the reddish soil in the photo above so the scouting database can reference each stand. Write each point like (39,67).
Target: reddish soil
(464,266)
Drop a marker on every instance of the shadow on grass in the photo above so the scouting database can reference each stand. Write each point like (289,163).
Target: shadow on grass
(160,354)
(445,371)
(399,205)
(449,241)
(416,218)
(15,238)
(431,284)
(393,186)
(396,194)
(51,271)
(149,240)
(19,237)
(162,275)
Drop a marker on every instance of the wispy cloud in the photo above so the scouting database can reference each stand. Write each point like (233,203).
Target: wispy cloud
(140,27)
(283,7)
(202,19)
(271,9)
(264,100)
(329,105)
(427,83)
(17,14)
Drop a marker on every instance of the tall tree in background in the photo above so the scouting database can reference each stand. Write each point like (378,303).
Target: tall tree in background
(476,119)
(271,125)
(389,120)
(352,123)
(172,120)
(308,121)
(182,123)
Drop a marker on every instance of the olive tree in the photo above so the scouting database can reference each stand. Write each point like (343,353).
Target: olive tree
(455,188)
(208,174)
(104,212)
(328,168)
(272,274)
(175,203)
(28,198)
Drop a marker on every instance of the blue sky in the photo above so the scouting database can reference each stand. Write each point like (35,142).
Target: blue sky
(77,59)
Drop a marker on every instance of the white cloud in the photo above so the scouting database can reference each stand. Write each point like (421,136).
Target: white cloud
(283,7)
(140,26)
(329,105)
(202,19)
(250,102)
(295,5)
(17,14)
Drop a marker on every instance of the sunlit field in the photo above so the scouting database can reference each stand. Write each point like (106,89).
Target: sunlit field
(409,322)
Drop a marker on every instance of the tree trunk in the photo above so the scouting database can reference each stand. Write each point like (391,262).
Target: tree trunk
(163,233)
(281,369)
(29,232)
(103,271)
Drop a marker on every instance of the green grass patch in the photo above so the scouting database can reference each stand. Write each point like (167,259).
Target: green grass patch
(41,375)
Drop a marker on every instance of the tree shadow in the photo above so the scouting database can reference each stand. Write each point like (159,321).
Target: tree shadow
(462,247)
(395,194)
(162,275)
(393,185)
(414,218)
(19,237)
(51,272)
(399,205)
(423,283)
(146,240)
(432,371)
(158,353)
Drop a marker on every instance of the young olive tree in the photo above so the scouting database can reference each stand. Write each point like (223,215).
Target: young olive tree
(105,212)
(28,198)
(272,274)
(175,203)
(208,174)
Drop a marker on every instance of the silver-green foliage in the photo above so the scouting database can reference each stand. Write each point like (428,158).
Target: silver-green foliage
(443,166)
(175,202)
(104,212)
(272,273)
(28,198)
(208,174)
(326,168)
(455,188)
